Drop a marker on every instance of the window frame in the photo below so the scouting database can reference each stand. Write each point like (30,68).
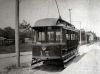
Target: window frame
(50,37)
(59,36)
(41,36)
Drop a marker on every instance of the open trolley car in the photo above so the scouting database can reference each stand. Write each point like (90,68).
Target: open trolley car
(55,41)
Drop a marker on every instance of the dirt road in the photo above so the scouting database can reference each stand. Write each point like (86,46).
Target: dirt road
(87,62)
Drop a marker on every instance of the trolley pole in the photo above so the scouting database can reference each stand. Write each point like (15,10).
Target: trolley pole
(17,32)
(70,15)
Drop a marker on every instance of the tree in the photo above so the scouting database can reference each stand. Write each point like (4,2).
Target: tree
(9,33)
(1,32)
(24,30)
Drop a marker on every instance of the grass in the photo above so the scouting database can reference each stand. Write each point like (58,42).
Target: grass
(14,67)
(11,49)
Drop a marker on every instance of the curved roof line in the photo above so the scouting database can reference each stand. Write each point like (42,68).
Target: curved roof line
(51,22)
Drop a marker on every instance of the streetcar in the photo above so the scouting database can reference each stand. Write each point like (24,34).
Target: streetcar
(55,41)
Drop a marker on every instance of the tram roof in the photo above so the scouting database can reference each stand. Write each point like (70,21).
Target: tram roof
(50,22)
(76,30)
(54,22)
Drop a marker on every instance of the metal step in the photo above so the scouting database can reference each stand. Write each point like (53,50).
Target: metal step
(69,58)
(35,61)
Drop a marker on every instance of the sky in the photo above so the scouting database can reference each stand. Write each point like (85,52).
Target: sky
(84,13)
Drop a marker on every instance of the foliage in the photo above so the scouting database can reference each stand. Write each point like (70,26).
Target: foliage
(24,30)
(1,32)
(9,33)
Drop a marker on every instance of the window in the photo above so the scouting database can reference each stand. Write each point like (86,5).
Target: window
(68,36)
(58,36)
(41,36)
(51,36)
(72,36)
(76,37)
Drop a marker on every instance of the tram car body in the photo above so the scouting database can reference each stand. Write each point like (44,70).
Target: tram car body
(54,40)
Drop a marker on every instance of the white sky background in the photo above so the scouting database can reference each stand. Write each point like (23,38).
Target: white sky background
(86,11)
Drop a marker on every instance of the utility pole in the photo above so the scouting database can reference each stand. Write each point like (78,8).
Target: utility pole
(17,32)
(70,15)
(80,34)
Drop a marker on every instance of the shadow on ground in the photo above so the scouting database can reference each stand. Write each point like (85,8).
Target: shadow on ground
(49,68)
(74,60)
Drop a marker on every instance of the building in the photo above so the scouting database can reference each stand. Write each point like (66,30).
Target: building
(91,37)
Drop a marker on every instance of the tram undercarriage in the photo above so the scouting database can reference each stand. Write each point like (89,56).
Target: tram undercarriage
(60,61)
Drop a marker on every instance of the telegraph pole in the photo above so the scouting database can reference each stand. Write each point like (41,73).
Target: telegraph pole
(80,34)
(17,32)
(70,15)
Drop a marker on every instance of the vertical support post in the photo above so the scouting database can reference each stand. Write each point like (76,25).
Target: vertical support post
(33,33)
(17,32)
(61,36)
(35,37)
